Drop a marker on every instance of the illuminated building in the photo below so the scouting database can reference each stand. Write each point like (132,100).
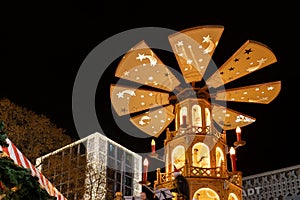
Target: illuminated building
(200,154)
(281,184)
(92,167)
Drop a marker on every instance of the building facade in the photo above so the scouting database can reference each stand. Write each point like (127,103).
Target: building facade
(94,167)
(282,184)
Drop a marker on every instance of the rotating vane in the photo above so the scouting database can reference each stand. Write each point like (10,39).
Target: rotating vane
(151,105)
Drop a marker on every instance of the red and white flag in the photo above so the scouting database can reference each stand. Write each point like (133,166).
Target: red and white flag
(15,154)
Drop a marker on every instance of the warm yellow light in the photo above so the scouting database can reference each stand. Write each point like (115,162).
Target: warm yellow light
(232,151)
(146,162)
(238,129)
(152,142)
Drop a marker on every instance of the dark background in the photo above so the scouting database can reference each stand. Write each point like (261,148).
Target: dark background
(44,43)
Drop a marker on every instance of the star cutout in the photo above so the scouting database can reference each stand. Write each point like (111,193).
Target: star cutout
(262,61)
(179,43)
(236,60)
(264,99)
(120,95)
(189,61)
(140,57)
(141,122)
(206,39)
(248,51)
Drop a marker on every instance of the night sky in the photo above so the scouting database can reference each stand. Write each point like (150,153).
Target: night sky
(44,44)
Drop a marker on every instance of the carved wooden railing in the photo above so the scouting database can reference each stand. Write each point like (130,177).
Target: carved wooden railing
(192,171)
(193,130)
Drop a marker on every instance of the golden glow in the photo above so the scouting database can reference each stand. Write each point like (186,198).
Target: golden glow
(263,93)
(261,57)
(126,99)
(205,194)
(232,196)
(201,156)
(183,116)
(232,151)
(207,117)
(229,119)
(155,121)
(178,156)
(194,48)
(219,156)
(141,65)
(153,142)
(238,129)
(196,115)
(146,162)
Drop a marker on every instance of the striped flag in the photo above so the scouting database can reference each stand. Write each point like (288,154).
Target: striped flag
(15,154)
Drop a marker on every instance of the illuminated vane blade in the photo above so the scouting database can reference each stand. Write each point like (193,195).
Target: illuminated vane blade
(154,121)
(251,57)
(142,66)
(260,93)
(193,49)
(126,100)
(229,119)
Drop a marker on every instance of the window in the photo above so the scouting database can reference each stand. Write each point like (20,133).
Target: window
(110,173)
(128,181)
(120,153)
(201,157)
(183,116)
(207,117)
(82,148)
(206,194)
(128,159)
(178,156)
(119,170)
(128,191)
(111,150)
(219,156)
(196,116)
(232,196)
(91,143)
(118,176)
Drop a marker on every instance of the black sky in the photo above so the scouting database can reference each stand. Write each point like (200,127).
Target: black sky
(44,44)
